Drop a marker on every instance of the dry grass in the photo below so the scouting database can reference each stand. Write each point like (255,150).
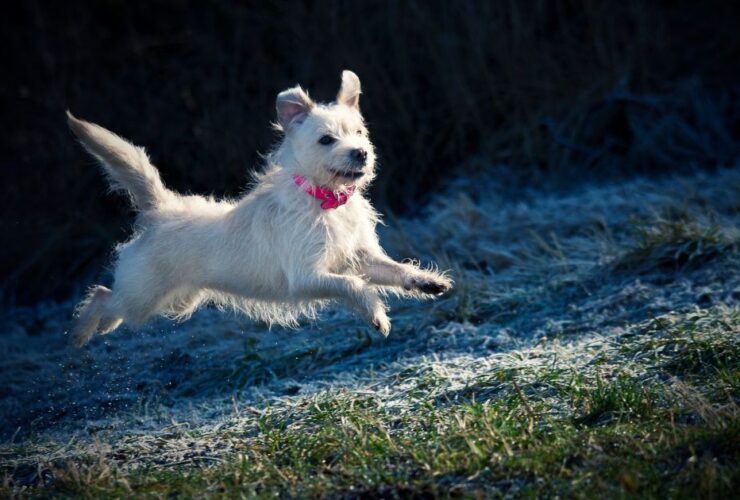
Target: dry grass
(566,91)
(676,244)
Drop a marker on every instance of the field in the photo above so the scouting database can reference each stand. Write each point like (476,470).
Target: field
(591,346)
(573,163)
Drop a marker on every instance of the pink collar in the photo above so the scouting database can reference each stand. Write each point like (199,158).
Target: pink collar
(326,195)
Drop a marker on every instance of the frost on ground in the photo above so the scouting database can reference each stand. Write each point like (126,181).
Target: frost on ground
(579,319)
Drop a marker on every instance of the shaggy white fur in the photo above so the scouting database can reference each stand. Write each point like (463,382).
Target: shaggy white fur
(275,254)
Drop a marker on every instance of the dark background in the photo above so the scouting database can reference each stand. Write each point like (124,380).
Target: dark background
(534,92)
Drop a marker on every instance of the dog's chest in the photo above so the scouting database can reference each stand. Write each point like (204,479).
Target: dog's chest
(343,232)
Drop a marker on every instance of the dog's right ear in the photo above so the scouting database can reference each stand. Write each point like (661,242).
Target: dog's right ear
(349,92)
(293,106)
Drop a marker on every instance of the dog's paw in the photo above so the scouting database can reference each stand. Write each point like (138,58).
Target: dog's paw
(382,323)
(430,285)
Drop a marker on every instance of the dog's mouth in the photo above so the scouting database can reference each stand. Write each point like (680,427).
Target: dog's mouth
(347,174)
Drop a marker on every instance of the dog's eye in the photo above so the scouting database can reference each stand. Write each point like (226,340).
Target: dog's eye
(326,140)
(360,132)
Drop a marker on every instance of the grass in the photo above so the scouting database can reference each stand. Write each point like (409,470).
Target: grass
(676,244)
(561,372)
(622,398)
(668,431)
(254,367)
(699,348)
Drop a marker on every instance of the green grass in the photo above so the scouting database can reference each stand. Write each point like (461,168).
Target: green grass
(669,431)
(470,448)
(623,398)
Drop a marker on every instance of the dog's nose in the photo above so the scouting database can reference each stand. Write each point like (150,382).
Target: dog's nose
(359,155)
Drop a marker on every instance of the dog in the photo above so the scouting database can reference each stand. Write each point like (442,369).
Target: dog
(304,236)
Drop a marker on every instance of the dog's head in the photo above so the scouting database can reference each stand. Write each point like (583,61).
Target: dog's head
(327,143)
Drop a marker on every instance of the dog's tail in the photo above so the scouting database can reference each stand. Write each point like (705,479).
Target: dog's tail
(127,166)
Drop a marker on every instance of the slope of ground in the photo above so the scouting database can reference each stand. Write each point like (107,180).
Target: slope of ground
(590,345)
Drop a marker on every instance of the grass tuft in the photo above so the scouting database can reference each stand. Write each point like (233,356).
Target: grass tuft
(676,244)
(621,398)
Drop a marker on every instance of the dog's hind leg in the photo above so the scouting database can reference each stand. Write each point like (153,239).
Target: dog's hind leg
(184,303)
(108,323)
(92,313)
(104,310)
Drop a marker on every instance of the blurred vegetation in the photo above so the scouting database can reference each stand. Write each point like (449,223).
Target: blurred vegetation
(571,90)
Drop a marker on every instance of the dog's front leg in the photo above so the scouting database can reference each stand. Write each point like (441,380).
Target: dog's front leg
(384,271)
(351,290)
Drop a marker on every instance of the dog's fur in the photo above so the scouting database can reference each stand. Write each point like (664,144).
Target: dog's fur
(274,255)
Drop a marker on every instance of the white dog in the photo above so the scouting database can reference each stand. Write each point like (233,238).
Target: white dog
(304,236)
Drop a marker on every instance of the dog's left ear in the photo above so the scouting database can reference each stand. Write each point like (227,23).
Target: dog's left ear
(349,92)
(293,106)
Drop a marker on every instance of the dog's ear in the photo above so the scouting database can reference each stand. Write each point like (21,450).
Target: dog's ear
(293,106)
(349,92)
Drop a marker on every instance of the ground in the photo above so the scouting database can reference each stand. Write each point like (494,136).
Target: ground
(590,347)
